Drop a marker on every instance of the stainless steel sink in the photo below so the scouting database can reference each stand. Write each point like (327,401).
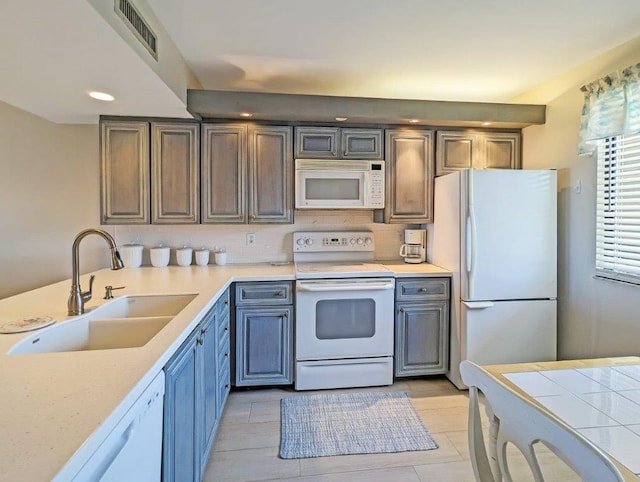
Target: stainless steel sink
(126,322)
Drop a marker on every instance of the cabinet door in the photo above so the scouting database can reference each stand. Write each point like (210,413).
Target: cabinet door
(224,173)
(175,161)
(270,175)
(181,443)
(501,150)
(317,142)
(208,358)
(361,143)
(456,150)
(409,183)
(124,172)
(421,338)
(264,346)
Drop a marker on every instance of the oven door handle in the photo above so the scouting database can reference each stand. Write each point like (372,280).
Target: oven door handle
(345,287)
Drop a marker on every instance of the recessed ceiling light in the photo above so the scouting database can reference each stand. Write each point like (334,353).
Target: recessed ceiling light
(101,96)
(341,119)
(414,121)
(246,114)
(487,123)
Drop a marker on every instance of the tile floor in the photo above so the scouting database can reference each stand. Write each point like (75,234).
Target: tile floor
(248,439)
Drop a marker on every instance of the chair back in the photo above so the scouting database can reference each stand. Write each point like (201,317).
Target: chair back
(523,424)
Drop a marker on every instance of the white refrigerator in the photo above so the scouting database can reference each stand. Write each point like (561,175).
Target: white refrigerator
(496,231)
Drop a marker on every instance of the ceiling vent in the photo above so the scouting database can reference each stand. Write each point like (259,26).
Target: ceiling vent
(132,19)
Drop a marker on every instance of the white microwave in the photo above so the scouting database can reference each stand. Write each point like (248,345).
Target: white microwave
(345,184)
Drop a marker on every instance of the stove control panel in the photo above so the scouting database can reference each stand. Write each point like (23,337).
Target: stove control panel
(332,241)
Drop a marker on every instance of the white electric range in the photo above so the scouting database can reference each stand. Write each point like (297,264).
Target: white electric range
(344,311)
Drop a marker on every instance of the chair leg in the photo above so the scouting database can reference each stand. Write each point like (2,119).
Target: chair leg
(479,460)
(494,427)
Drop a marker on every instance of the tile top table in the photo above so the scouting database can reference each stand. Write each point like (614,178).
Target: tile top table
(599,398)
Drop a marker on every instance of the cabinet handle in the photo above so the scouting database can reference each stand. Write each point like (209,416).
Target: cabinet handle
(226,302)
(401,310)
(203,331)
(226,328)
(285,314)
(423,290)
(226,355)
(253,216)
(226,385)
(199,341)
(278,294)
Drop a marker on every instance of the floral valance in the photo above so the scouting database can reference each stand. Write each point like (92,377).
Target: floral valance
(611,107)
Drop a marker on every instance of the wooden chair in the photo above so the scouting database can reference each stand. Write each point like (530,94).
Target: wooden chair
(523,424)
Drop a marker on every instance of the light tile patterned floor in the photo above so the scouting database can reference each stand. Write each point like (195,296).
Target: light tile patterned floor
(248,441)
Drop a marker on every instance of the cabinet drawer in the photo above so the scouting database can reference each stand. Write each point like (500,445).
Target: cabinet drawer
(264,293)
(224,350)
(224,384)
(419,289)
(222,328)
(222,305)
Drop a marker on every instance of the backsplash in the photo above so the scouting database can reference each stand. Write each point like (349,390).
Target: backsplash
(273,242)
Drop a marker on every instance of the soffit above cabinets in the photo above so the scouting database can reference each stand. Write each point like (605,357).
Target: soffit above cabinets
(218,104)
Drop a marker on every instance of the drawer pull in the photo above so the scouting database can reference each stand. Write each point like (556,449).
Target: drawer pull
(423,290)
(279,294)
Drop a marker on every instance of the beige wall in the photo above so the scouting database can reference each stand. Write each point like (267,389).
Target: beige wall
(595,317)
(48,192)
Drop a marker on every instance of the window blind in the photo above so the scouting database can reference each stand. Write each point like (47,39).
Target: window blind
(618,209)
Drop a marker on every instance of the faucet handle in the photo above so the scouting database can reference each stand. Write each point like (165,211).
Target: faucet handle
(86,296)
(108,295)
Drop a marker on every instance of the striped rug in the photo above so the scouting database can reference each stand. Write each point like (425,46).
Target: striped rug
(351,423)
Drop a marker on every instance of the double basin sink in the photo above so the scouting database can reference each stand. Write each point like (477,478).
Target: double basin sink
(125,322)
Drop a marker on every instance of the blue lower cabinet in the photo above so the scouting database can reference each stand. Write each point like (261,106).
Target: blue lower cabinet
(180,448)
(264,346)
(196,388)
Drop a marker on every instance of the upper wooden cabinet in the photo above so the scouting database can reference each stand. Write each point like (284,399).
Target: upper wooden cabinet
(409,176)
(338,143)
(175,173)
(143,181)
(466,149)
(247,174)
(224,165)
(270,185)
(124,172)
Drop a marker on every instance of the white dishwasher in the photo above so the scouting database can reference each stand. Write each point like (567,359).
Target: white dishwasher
(133,449)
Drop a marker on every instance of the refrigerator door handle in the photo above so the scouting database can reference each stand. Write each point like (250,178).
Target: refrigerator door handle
(478,305)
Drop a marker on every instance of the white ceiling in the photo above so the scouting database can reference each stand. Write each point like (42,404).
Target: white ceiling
(464,50)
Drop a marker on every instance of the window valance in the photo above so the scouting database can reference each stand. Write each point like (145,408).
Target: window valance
(611,107)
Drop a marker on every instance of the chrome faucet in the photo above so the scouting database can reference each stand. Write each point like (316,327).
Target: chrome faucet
(77,298)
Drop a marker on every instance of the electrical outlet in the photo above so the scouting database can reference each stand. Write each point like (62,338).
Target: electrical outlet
(251,239)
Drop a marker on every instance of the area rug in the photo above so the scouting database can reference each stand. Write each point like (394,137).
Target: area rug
(351,423)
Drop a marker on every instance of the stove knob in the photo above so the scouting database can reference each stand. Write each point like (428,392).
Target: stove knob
(309,242)
(353,241)
(300,242)
(360,241)
(367,241)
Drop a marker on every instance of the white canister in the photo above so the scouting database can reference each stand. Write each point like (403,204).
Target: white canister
(159,256)
(184,256)
(202,257)
(131,255)
(221,258)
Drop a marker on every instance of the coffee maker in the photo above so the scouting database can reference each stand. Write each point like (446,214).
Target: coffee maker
(414,249)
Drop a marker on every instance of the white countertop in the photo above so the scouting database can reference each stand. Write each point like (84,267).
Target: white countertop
(405,270)
(56,407)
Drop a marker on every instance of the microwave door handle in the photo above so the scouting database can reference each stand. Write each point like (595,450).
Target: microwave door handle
(345,287)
